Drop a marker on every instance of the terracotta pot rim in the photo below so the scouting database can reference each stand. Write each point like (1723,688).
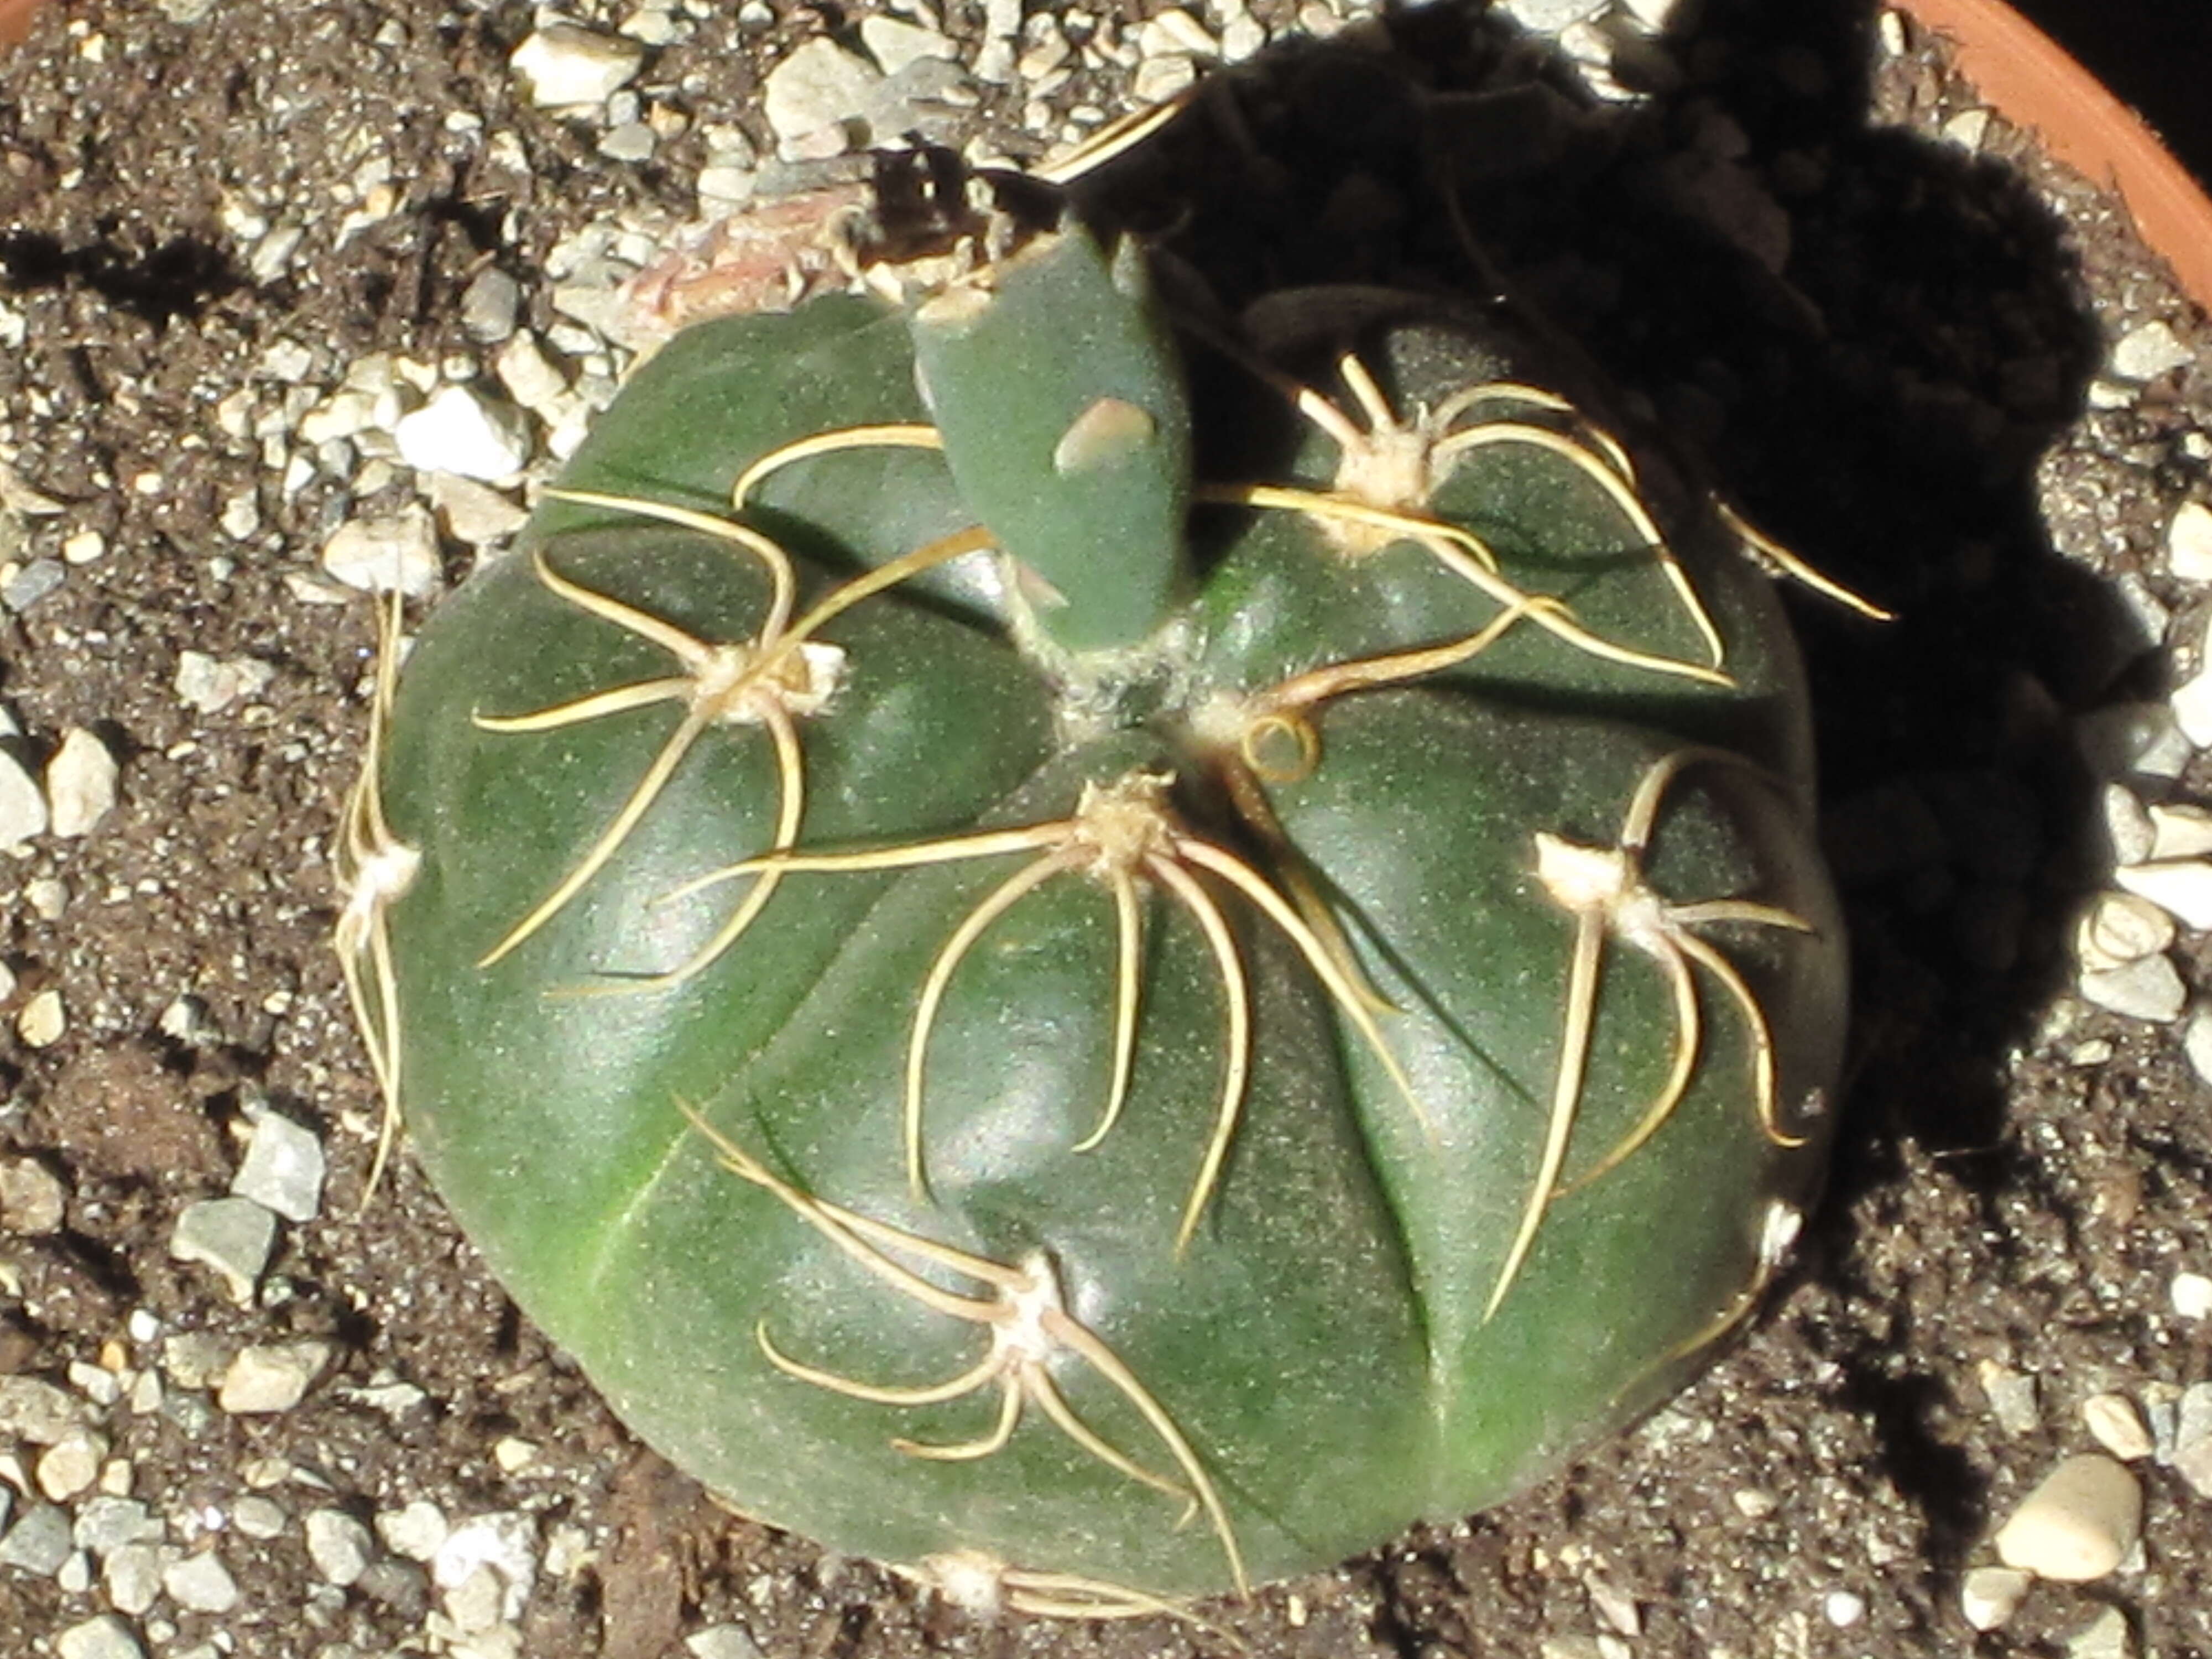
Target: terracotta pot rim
(2033,82)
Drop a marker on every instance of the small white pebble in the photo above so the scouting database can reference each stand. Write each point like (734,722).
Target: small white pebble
(71,1464)
(103,1637)
(2147,351)
(461,430)
(201,1584)
(338,1544)
(80,783)
(2078,1525)
(33,1199)
(2189,542)
(2122,928)
(2191,1295)
(1990,1595)
(2011,1396)
(43,1020)
(2106,1636)
(2180,886)
(2176,831)
(565,65)
(2116,1426)
(1842,1608)
(271,1376)
(378,555)
(416,1531)
(22,802)
(283,1168)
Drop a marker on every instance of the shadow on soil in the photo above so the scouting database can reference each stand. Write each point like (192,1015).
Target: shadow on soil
(1863,340)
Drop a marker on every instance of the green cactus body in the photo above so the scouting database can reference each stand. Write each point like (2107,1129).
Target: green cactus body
(1150,1088)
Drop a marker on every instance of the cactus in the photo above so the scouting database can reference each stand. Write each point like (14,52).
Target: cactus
(1099,1029)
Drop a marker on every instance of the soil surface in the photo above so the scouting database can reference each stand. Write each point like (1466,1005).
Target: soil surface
(1888,333)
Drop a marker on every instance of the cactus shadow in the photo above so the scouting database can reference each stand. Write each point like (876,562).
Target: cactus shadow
(1867,342)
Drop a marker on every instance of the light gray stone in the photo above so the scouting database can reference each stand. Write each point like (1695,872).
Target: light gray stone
(2150,989)
(2149,350)
(103,1637)
(271,1377)
(632,141)
(40,1542)
(2177,832)
(489,306)
(71,1464)
(2078,1525)
(33,1202)
(416,1531)
(2012,1398)
(461,430)
(35,581)
(1990,1595)
(894,44)
(106,1523)
(80,782)
(2115,1424)
(258,1516)
(2120,928)
(2182,887)
(531,377)
(234,1236)
(2193,1417)
(201,1584)
(473,512)
(2193,1463)
(2197,1042)
(43,1020)
(132,1576)
(2189,542)
(39,1411)
(565,65)
(819,84)
(2106,1636)
(2189,1295)
(506,1542)
(338,1544)
(283,1168)
(211,685)
(22,804)
(378,555)
(2128,826)
(722,1642)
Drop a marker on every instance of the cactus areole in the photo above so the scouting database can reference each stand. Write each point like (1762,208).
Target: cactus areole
(1100,1030)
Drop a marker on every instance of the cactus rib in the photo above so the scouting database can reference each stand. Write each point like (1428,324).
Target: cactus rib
(1118,831)
(1397,464)
(1029,1325)
(769,680)
(1463,553)
(1604,889)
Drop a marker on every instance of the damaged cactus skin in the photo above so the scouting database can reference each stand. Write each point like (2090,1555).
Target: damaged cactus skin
(1017,998)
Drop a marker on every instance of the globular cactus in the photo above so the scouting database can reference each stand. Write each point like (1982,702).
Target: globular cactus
(1101,1031)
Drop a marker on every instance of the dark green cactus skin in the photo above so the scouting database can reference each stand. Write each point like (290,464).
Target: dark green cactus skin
(1321,1344)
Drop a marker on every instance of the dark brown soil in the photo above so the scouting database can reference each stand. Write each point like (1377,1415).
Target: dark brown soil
(1906,398)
